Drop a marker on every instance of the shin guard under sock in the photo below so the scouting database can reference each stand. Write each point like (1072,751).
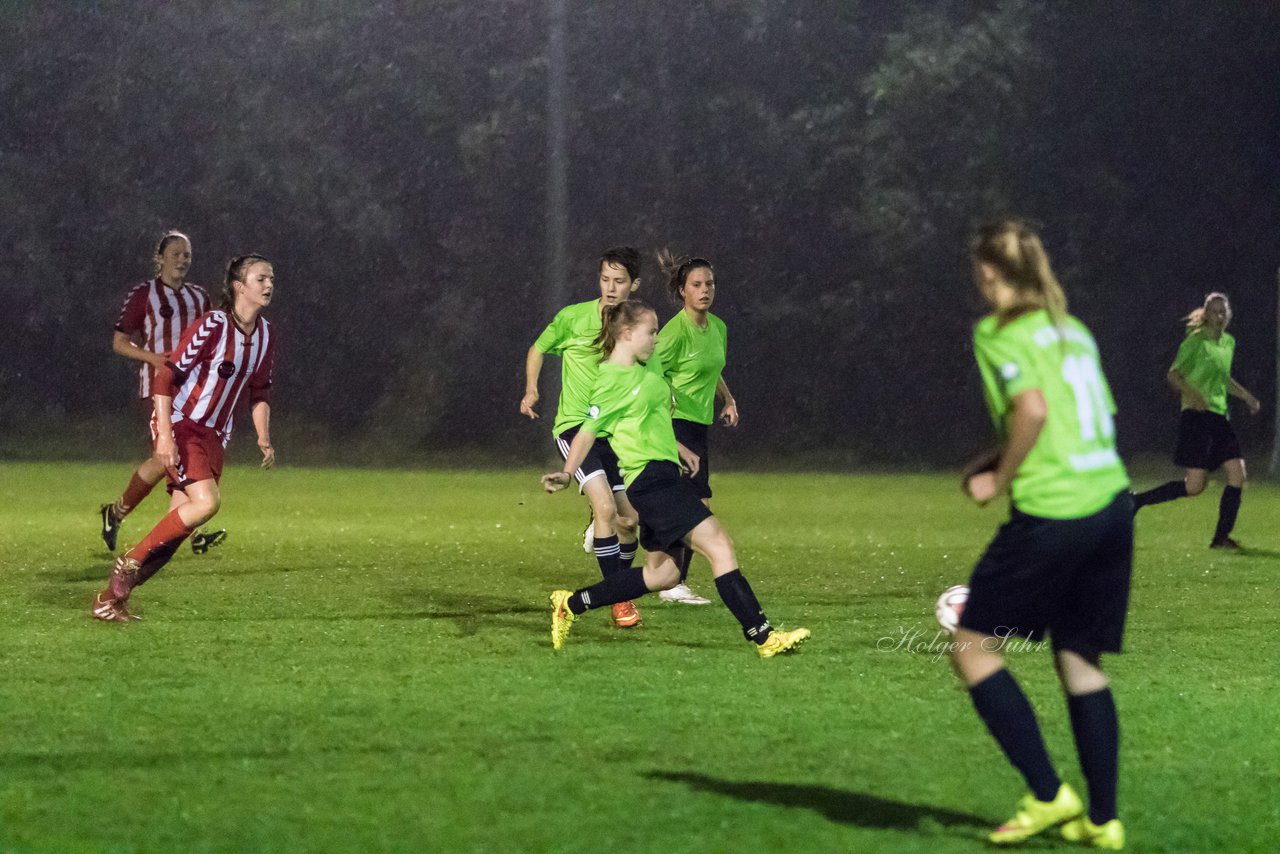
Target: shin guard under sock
(1011,720)
(1097,730)
(607,554)
(1228,507)
(620,586)
(1162,493)
(742,603)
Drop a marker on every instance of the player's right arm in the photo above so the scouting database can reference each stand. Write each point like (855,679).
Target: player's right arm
(128,333)
(532,369)
(1188,351)
(1026,420)
(554,481)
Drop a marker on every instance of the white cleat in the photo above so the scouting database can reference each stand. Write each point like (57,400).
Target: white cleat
(682,594)
(589,538)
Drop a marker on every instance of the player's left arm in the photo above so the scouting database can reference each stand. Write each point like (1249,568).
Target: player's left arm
(1026,420)
(260,404)
(262,424)
(728,415)
(1237,390)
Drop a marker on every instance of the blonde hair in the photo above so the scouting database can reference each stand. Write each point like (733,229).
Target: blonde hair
(1015,251)
(1195,319)
(614,320)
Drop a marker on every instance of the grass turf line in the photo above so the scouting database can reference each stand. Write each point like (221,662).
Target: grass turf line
(365,665)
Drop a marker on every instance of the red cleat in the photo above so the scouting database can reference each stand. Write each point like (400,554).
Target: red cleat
(110,610)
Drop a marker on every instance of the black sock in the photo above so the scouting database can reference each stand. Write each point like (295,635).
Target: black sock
(626,555)
(737,595)
(1097,732)
(620,586)
(1228,507)
(607,554)
(1162,493)
(683,560)
(1009,716)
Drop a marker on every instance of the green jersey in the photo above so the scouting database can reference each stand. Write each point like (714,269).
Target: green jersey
(631,407)
(1073,471)
(694,358)
(571,336)
(1206,365)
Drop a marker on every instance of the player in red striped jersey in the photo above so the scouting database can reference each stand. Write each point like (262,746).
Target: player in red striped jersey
(222,357)
(151,321)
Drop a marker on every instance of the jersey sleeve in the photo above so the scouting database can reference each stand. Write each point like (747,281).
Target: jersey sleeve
(668,349)
(203,300)
(1188,350)
(553,338)
(133,313)
(194,345)
(1010,362)
(609,403)
(260,382)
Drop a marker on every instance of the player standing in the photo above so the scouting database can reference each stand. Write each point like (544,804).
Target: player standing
(151,321)
(1062,562)
(631,404)
(220,358)
(693,348)
(1201,374)
(571,335)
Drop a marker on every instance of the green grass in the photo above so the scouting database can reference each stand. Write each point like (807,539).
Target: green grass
(365,665)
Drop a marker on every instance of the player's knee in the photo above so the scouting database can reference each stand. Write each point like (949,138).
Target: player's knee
(1195,486)
(666,575)
(626,525)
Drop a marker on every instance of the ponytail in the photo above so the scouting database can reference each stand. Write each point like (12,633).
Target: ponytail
(236,269)
(1195,318)
(616,318)
(1015,251)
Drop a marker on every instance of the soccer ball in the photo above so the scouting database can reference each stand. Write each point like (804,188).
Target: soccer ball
(950,606)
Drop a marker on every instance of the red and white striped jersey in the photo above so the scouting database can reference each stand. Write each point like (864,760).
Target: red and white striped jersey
(160,314)
(212,366)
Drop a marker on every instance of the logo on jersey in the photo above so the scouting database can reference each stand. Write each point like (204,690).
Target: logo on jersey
(593,412)
(226,370)
(166,311)
(1009,372)
(691,355)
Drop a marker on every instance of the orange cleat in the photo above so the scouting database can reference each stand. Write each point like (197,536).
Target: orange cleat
(625,615)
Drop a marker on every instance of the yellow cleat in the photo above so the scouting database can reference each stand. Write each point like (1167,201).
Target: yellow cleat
(561,617)
(1108,836)
(780,642)
(1034,816)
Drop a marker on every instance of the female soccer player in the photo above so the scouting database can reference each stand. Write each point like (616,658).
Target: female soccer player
(150,323)
(692,348)
(571,335)
(631,405)
(1061,563)
(1201,373)
(220,358)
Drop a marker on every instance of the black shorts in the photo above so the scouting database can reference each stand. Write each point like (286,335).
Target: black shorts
(1066,577)
(601,461)
(1205,440)
(668,505)
(693,436)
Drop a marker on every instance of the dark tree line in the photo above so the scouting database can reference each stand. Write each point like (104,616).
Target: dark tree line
(829,155)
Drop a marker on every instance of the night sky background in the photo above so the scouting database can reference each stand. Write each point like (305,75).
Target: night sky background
(829,157)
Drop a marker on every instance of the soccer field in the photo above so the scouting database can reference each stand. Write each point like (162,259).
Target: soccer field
(366,665)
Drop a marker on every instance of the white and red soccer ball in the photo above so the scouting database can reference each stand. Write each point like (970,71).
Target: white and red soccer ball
(950,606)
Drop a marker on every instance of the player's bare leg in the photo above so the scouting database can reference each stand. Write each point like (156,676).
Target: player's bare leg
(144,478)
(604,509)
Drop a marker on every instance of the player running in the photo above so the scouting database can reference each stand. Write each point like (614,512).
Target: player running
(1061,564)
(220,358)
(147,331)
(1201,374)
(631,405)
(571,336)
(692,348)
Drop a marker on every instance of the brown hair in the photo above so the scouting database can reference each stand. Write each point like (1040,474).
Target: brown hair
(236,268)
(1015,251)
(677,269)
(615,319)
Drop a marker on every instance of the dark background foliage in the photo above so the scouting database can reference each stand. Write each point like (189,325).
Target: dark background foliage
(830,156)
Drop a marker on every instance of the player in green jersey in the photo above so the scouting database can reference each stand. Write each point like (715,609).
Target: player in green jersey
(1201,374)
(693,348)
(571,336)
(1061,564)
(631,404)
